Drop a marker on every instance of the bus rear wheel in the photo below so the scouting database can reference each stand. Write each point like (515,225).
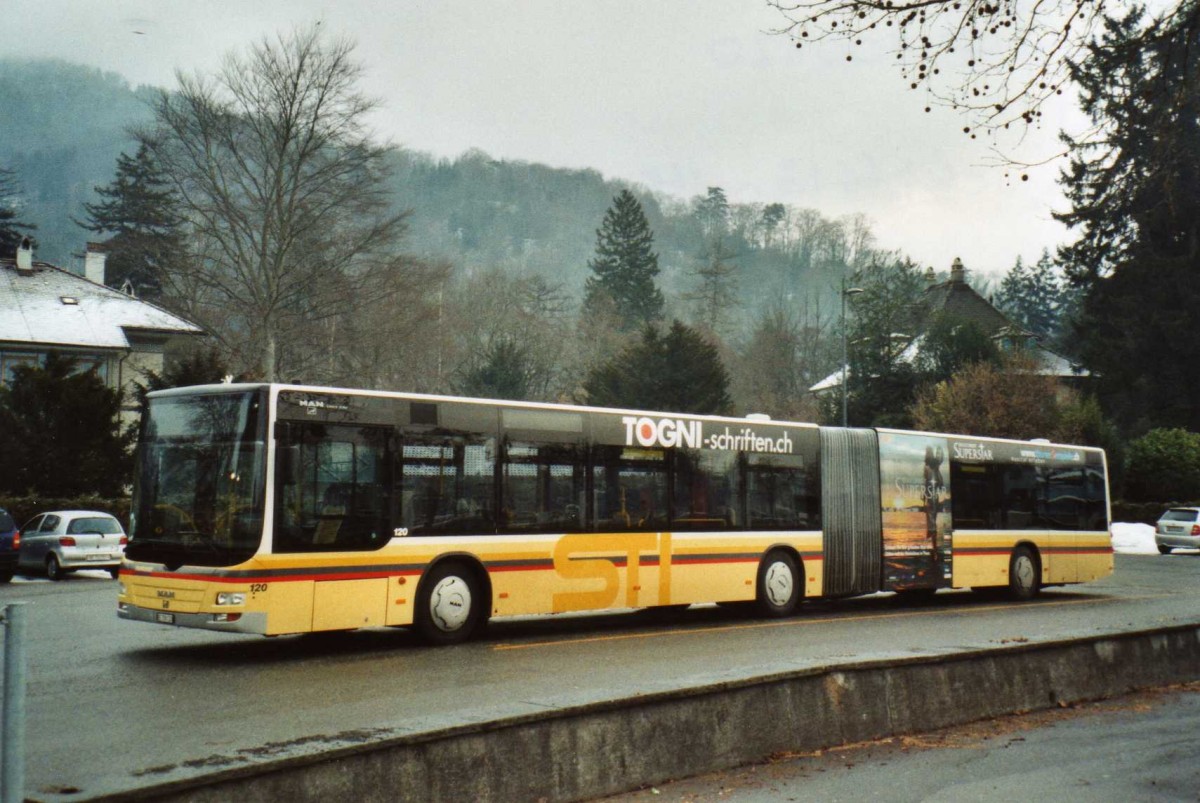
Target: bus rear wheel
(450,604)
(1024,580)
(779,585)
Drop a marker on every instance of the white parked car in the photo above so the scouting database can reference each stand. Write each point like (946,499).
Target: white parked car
(64,540)
(1178,528)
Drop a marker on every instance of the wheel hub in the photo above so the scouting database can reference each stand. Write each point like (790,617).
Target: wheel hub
(1025,572)
(779,583)
(450,604)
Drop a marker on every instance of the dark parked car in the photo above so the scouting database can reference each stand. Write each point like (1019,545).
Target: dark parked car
(65,540)
(10,543)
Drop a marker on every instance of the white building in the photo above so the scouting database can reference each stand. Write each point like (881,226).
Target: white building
(46,308)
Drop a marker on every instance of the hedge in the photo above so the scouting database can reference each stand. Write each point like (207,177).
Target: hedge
(24,508)
(1143,512)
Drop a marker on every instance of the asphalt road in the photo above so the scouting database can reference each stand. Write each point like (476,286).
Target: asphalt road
(1141,747)
(113,704)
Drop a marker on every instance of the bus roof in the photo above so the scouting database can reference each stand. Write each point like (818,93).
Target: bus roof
(276,387)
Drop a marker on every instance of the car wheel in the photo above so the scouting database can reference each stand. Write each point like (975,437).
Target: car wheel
(54,569)
(6,577)
(1164,550)
(779,589)
(450,604)
(115,572)
(1024,579)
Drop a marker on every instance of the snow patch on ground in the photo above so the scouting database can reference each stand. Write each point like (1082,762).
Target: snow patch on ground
(1133,539)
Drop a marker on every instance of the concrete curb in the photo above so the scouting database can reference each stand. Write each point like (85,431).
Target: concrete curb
(612,746)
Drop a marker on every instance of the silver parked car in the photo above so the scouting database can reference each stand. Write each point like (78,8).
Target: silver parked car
(64,540)
(1178,528)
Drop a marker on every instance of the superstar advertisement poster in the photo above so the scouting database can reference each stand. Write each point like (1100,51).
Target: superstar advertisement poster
(914,472)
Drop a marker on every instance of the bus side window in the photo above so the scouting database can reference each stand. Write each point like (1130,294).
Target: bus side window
(334,489)
(977,501)
(783,492)
(629,488)
(705,490)
(447,484)
(544,487)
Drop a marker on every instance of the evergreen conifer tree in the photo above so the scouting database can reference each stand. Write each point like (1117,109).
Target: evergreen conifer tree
(12,230)
(881,384)
(59,432)
(1035,298)
(141,212)
(714,295)
(676,372)
(1135,198)
(625,265)
(506,371)
(712,212)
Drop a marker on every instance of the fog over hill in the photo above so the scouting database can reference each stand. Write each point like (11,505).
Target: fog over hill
(65,124)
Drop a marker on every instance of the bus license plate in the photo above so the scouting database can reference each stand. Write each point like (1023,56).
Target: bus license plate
(166,618)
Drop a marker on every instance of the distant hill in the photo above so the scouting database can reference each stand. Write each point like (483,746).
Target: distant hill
(64,126)
(62,129)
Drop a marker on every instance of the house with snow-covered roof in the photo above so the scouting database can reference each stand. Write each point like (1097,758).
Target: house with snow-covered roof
(957,300)
(45,308)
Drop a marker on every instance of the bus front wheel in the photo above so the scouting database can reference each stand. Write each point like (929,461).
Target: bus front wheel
(1024,580)
(450,606)
(779,585)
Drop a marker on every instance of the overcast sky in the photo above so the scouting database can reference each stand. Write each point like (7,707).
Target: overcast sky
(676,96)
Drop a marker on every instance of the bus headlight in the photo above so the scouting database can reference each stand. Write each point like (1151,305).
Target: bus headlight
(231,598)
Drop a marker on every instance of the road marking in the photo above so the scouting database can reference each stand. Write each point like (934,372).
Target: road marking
(803,622)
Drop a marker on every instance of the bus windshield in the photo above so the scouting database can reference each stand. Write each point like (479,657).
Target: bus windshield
(198,494)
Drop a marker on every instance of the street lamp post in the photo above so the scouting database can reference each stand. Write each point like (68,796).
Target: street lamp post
(846,293)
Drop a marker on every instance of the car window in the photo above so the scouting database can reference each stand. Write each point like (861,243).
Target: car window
(6,521)
(50,524)
(31,526)
(1179,515)
(93,524)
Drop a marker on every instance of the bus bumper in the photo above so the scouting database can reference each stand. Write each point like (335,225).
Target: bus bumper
(250,622)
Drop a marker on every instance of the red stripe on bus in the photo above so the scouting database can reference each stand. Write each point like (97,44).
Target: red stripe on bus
(294,575)
(271,578)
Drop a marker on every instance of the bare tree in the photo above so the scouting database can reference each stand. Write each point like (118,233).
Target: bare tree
(714,296)
(787,352)
(291,224)
(996,59)
(1007,401)
(499,315)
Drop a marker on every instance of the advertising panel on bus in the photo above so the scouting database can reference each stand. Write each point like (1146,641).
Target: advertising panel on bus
(915,496)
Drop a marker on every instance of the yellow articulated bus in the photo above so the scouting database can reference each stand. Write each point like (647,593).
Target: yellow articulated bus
(279,509)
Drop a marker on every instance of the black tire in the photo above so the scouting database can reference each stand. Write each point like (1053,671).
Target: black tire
(6,576)
(779,587)
(54,569)
(450,604)
(1164,550)
(1024,575)
(115,572)
(662,613)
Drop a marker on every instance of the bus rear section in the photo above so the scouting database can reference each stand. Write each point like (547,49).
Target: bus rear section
(964,512)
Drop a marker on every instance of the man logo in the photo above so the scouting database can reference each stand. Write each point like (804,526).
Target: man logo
(666,432)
